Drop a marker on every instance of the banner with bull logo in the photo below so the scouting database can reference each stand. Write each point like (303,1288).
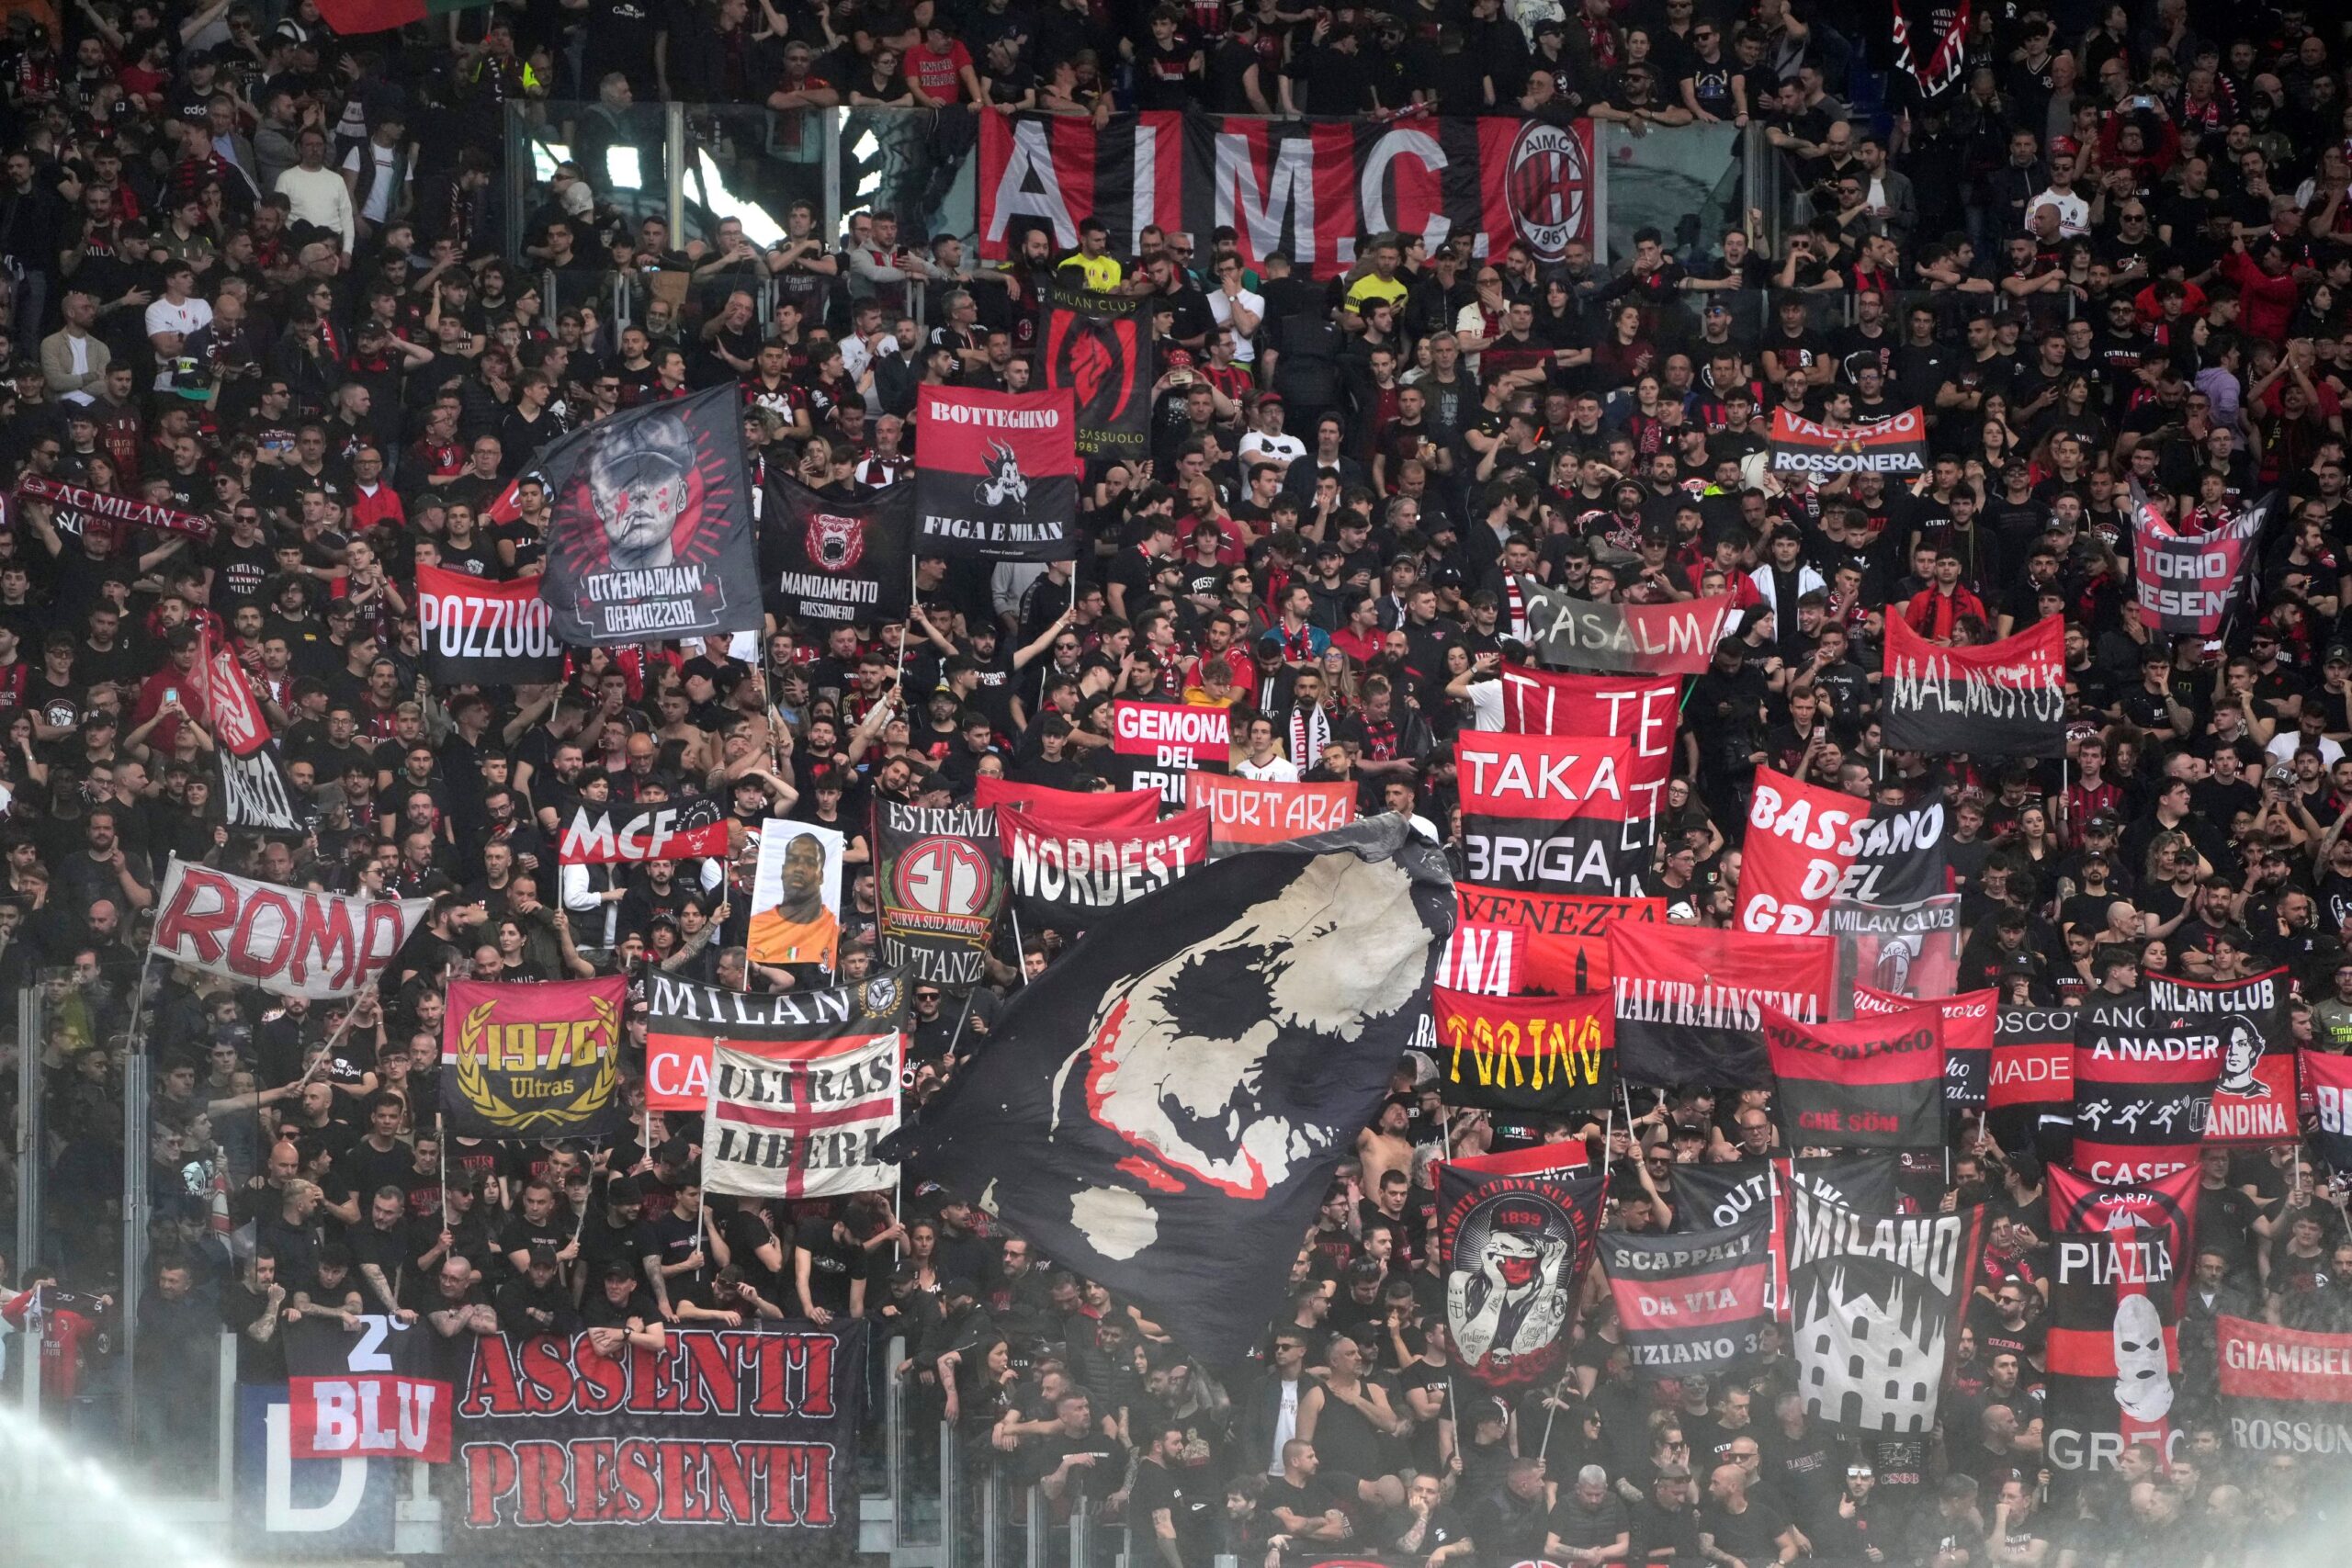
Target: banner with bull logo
(1516,1232)
(1308,188)
(996,474)
(837,562)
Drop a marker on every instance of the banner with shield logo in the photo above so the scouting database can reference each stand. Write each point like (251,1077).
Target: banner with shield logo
(1099,346)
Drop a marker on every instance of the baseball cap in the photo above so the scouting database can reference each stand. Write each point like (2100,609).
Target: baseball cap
(2339,653)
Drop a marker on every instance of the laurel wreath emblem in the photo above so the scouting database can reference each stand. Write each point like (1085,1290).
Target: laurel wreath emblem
(473,1075)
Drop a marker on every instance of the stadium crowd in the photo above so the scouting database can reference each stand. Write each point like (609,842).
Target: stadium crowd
(261,272)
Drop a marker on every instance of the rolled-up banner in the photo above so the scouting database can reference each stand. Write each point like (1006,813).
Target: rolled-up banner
(1998,699)
(1065,878)
(479,631)
(1543,1056)
(1898,445)
(1692,1302)
(996,474)
(1623,639)
(118,510)
(1082,808)
(650,532)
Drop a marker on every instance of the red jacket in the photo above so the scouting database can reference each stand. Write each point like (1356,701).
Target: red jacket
(2267,303)
(1932,613)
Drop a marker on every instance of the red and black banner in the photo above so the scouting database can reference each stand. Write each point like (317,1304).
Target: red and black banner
(2142,1073)
(684,1020)
(714,1442)
(75,506)
(2033,1061)
(399,1407)
(651,531)
(1626,639)
(1243,812)
(1968,1038)
(1310,187)
(1515,1234)
(1890,446)
(2284,1389)
(2329,1077)
(1509,943)
(472,630)
(2246,1022)
(1100,347)
(2167,1203)
(1875,1082)
(1070,808)
(2112,1359)
(996,473)
(1691,1302)
(1999,699)
(1067,878)
(1936,64)
(1553,812)
(1691,1000)
(839,562)
(670,832)
(2187,582)
(938,884)
(1642,711)
(1807,849)
(1541,1056)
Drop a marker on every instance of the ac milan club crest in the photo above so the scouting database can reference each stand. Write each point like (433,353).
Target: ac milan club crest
(942,882)
(1547,186)
(1097,347)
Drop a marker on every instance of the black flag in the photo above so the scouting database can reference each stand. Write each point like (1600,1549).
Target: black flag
(1099,346)
(1163,1111)
(649,533)
(842,562)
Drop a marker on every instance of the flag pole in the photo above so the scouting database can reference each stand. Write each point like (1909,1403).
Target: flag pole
(1019,967)
(441,1139)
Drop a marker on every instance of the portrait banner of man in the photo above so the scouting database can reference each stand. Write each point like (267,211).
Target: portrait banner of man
(796,894)
(650,528)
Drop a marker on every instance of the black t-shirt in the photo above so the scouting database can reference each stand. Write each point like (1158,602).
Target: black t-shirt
(1751,1536)
(832,1264)
(1191,1501)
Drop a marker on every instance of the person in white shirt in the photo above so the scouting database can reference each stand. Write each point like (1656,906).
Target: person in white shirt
(2074,213)
(1235,307)
(1263,760)
(1268,441)
(173,320)
(317,192)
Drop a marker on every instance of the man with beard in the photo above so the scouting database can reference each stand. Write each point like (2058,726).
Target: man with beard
(799,930)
